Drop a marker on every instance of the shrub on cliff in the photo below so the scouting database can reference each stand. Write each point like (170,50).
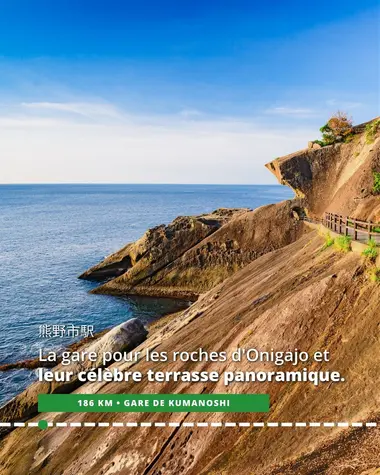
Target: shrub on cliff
(337,129)
(371,131)
(343,243)
(370,252)
(376,183)
(329,241)
(374,274)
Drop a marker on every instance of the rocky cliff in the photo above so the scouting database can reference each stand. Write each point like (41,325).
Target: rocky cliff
(337,178)
(159,246)
(193,254)
(295,297)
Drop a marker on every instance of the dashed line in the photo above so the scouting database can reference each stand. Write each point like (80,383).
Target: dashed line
(269,424)
(79,424)
(342,424)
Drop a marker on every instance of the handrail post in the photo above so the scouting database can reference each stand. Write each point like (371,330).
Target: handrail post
(355,230)
(346,230)
(369,230)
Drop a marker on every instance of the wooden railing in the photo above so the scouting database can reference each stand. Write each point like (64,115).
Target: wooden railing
(351,226)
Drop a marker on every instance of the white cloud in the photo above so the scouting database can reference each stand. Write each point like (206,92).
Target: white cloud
(86,109)
(190,113)
(292,112)
(346,105)
(43,146)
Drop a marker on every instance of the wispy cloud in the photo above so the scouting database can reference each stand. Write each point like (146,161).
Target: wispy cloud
(296,112)
(89,110)
(45,142)
(190,113)
(346,105)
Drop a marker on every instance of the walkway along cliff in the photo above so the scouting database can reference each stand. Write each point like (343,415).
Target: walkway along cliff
(278,285)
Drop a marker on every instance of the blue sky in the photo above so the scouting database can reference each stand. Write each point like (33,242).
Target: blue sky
(186,92)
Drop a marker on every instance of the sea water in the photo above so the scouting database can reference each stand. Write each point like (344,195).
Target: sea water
(49,234)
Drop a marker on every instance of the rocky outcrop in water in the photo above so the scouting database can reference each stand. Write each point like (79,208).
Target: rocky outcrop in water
(160,246)
(193,254)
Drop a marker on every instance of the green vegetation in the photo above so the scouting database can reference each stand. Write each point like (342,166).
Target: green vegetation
(337,129)
(376,183)
(343,243)
(349,138)
(329,241)
(374,274)
(371,130)
(371,251)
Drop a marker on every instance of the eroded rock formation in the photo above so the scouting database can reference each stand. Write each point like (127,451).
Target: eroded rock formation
(193,254)
(337,178)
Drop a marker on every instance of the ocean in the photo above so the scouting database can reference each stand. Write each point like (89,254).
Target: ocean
(49,234)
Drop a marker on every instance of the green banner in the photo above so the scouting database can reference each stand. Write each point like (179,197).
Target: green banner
(153,403)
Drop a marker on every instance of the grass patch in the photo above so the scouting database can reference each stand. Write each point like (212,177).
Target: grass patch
(343,243)
(329,241)
(376,183)
(371,251)
(374,274)
(371,131)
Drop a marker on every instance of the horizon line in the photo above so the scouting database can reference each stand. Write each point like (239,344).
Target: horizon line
(136,183)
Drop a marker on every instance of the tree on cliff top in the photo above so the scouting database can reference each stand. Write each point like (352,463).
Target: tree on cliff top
(337,128)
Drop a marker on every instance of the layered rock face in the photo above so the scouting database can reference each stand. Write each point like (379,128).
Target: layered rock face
(193,254)
(295,297)
(337,178)
(159,246)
